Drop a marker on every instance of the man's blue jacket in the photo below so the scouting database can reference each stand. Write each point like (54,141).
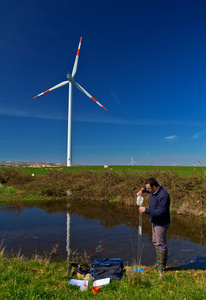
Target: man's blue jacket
(159,208)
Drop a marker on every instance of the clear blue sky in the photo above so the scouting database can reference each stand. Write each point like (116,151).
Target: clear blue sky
(145,61)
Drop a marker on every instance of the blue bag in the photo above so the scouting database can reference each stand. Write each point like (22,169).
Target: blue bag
(107,268)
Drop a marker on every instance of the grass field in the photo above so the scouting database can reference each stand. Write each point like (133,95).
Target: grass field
(32,279)
(181,171)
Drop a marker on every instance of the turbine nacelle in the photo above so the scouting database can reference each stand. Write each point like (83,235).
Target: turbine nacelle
(70,78)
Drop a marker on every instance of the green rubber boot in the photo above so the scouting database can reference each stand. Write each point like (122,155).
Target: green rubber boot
(162,261)
(157,264)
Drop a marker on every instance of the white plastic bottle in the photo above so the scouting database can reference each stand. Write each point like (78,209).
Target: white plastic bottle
(84,286)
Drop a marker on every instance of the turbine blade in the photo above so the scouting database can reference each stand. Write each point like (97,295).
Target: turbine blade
(76,59)
(53,88)
(86,93)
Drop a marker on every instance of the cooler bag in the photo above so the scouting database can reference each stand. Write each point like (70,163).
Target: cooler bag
(107,268)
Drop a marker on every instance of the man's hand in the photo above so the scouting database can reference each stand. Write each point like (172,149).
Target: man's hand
(141,191)
(142,209)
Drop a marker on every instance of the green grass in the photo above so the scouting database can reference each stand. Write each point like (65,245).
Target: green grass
(181,171)
(33,279)
(6,191)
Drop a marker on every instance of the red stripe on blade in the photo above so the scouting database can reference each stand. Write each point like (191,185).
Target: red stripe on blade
(94,99)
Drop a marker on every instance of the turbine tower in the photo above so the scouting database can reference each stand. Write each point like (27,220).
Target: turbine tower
(71,81)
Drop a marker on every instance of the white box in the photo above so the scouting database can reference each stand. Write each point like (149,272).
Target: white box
(101,282)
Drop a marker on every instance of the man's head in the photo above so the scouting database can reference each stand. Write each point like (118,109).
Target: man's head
(152,185)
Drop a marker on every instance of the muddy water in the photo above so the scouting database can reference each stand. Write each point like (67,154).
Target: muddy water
(102,230)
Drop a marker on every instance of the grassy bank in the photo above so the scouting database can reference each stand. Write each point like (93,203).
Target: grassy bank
(108,185)
(32,279)
(180,170)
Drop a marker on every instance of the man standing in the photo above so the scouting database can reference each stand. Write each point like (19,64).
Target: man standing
(159,216)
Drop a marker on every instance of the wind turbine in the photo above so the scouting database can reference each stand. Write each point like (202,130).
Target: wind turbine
(71,81)
(132,161)
(198,164)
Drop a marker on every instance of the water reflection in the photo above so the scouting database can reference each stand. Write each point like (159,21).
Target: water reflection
(68,236)
(102,230)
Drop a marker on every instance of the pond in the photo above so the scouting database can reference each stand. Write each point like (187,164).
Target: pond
(102,230)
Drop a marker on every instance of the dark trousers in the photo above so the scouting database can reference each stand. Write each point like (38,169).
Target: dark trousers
(159,234)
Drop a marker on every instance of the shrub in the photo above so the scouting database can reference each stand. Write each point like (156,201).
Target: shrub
(14,177)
